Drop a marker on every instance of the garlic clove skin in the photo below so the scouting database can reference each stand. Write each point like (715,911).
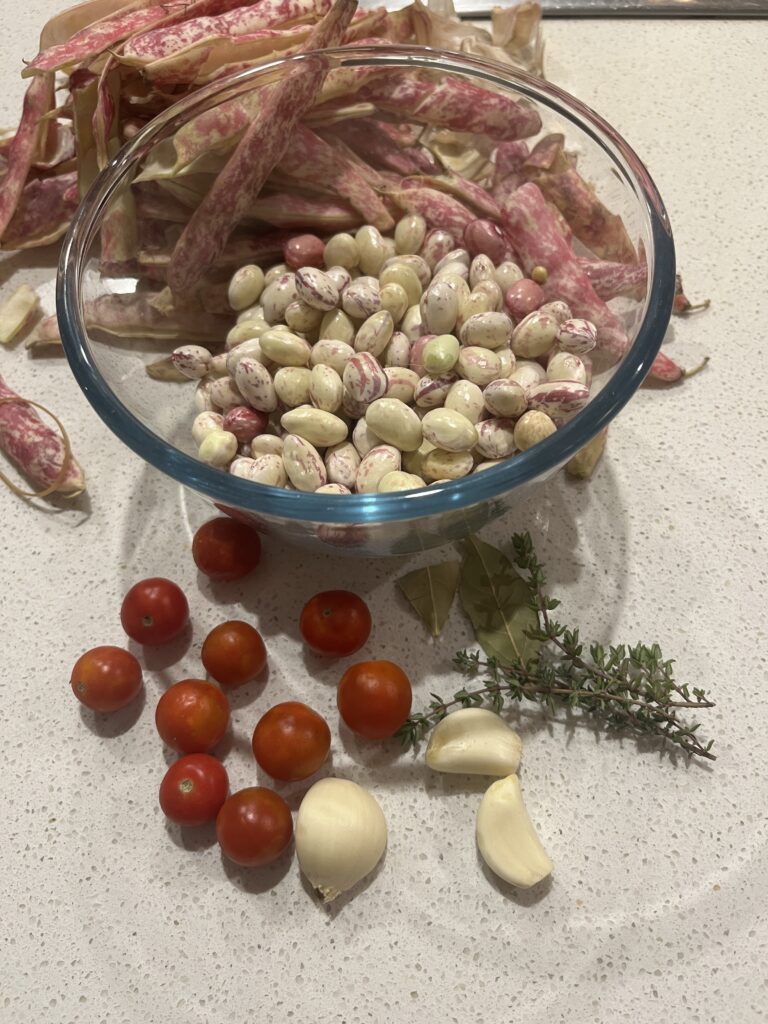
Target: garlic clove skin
(474,741)
(506,838)
(341,835)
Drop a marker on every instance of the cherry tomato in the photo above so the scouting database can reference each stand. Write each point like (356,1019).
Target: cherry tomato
(374,698)
(291,741)
(335,622)
(225,549)
(106,678)
(154,611)
(233,653)
(194,789)
(254,826)
(192,716)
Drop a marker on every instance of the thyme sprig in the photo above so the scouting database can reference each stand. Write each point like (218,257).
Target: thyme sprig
(626,688)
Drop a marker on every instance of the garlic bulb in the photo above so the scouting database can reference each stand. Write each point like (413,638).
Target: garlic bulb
(506,838)
(474,741)
(341,835)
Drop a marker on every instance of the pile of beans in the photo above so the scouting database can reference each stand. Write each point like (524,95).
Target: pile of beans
(372,364)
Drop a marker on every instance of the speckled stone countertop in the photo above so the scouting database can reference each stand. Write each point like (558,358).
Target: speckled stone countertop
(658,908)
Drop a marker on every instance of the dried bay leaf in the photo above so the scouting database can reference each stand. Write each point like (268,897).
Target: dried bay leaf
(163,369)
(496,599)
(431,591)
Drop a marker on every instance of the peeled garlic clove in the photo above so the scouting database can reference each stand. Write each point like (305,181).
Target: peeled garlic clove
(341,835)
(506,838)
(474,741)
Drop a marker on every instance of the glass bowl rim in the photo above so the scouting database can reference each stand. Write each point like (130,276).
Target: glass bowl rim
(436,499)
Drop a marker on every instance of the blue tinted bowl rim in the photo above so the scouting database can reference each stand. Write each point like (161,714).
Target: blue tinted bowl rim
(399,506)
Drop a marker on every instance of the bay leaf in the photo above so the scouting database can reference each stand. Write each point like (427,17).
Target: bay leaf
(163,369)
(431,591)
(495,597)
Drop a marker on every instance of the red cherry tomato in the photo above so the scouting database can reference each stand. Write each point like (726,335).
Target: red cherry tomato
(291,741)
(192,716)
(234,653)
(254,826)
(225,549)
(374,698)
(106,678)
(194,789)
(154,611)
(335,622)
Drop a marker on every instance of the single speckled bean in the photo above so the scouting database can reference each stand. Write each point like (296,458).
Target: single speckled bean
(444,466)
(337,326)
(394,299)
(204,423)
(458,284)
(361,299)
(484,237)
(193,361)
(218,365)
(441,354)
(363,438)
(340,276)
(449,430)
(507,360)
(481,268)
(466,398)
(255,312)
(374,334)
(411,325)
(493,291)
(225,394)
(532,427)
(437,244)
(301,318)
(329,352)
(245,423)
(251,348)
(418,265)
(333,489)
(379,461)
(398,351)
(507,274)
(202,398)
(265,469)
(326,388)
(477,302)
(459,255)
(275,272)
(304,251)
(351,407)
(303,464)
(246,331)
(487,330)
(496,438)
(439,308)
(256,384)
(245,286)
(395,423)
(399,481)
(479,365)
(577,336)
(218,448)
(566,366)
(431,392)
(316,288)
(505,398)
(489,464)
(370,245)
(277,296)
(389,248)
(341,251)
(410,232)
(523,297)
(364,378)
(342,462)
(402,383)
(413,462)
(534,335)
(314,425)
(453,269)
(417,354)
(267,444)
(558,397)
(561,311)
(398,272)
(528,374)
(292,385)
(284,348)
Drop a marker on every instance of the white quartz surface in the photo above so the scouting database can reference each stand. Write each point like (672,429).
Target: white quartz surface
(658,906)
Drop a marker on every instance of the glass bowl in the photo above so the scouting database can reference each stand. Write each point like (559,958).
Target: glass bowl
(153,417)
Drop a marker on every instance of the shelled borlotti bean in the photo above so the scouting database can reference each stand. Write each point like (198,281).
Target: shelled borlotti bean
(386,364)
